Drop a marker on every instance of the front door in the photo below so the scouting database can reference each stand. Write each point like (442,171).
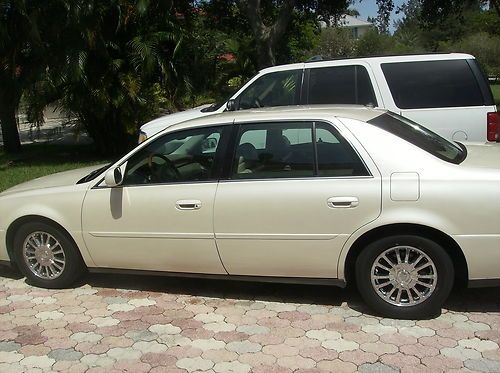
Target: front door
(297,192)
(161,217)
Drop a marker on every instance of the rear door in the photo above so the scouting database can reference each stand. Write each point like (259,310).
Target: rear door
(296,192)
(449,97)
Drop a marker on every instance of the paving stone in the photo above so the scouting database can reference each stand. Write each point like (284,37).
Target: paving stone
(460,352)
(340,345)
(195,364)
(323,334)
(243,347)
(65,354)
(233,366)
(483,365)
(9,346)
(478,344)
(377,368)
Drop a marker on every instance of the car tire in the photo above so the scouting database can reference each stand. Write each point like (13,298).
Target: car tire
(47,256)
(413,286)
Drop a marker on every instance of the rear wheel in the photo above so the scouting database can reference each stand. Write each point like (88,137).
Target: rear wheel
(47,256)
(406,277)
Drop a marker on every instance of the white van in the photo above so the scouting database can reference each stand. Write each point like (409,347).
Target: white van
(448,93)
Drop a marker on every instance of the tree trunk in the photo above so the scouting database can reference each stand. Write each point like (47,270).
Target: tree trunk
(265,52)
(267,37)
(10,133)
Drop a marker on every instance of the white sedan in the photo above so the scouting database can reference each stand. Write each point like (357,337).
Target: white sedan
(323,195)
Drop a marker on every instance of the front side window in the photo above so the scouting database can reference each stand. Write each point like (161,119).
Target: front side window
(420,136)
(432,84)
(341,85)
(182,156)
(294,150)
(280,88)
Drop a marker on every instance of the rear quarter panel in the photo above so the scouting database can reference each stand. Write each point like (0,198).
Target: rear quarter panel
(462,202)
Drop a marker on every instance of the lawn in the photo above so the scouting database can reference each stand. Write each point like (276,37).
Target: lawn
(41,159)
(496,93)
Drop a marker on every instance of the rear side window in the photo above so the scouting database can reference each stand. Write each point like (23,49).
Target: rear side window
(432,84)
(340,85)
(420,136)
(294,150)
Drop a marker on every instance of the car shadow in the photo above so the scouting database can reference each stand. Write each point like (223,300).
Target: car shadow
(224,289)
(461,300)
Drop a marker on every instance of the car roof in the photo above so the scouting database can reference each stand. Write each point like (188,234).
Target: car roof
(299,112)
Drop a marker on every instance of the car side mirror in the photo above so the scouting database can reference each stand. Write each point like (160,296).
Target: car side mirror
(231,105)
(113,177)
(208,144)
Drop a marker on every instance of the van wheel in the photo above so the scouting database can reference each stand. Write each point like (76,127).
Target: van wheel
(405,277)
(47,256)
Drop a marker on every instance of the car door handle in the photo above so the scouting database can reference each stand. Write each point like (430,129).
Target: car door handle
(188,204)
(342,202)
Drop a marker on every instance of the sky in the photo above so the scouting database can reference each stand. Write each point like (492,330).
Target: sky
(368,8)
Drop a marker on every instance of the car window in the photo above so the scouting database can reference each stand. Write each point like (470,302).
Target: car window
(341,85)
(336,157)
(282,156)
(182,156)
(432,84)
(287,150)
(420,136)
(281,88)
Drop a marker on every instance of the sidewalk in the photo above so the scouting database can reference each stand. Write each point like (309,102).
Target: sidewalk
(57,129)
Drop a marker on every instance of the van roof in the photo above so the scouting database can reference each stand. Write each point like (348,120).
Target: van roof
(371,59)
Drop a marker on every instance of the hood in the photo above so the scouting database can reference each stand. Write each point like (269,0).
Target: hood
(159,124)
(60,179)
(482,155)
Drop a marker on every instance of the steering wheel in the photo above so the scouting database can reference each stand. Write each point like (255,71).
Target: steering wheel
(166,172)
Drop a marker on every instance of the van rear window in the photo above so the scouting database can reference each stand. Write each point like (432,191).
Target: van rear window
(433,84)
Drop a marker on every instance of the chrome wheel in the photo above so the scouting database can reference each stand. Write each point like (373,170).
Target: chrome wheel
(44,255)
(403,276)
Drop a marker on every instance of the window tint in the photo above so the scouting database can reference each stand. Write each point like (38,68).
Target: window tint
(290,152)
(275,89)
(341,85)
(284,154)
(428,84)
(181,156)
(420,136)
(336,157)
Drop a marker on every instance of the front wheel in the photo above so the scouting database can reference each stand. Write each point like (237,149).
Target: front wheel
(47,256)
(407,277)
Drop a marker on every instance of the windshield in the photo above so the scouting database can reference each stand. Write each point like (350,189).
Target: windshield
(420,136)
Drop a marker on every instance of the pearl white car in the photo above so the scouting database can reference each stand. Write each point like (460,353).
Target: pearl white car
(321,195)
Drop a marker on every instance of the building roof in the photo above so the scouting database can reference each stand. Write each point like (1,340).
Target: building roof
(349,21)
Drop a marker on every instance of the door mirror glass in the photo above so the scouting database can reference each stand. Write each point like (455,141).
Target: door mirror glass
(113,177)
(209,145)
(231,105)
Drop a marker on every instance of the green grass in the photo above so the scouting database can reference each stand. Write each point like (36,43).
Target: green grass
(41,159)
(495,88)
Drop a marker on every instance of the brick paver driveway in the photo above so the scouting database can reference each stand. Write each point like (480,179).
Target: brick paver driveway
(138,324)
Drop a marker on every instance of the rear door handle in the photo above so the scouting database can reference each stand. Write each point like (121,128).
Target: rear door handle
(342,202)
(188,204)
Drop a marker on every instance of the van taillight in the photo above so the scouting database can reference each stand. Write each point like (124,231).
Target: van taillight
(493,126)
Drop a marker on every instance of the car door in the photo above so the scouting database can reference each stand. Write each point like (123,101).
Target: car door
(161,216)
(295,192)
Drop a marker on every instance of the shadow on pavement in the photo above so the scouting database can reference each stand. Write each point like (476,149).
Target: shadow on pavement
(461,300)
